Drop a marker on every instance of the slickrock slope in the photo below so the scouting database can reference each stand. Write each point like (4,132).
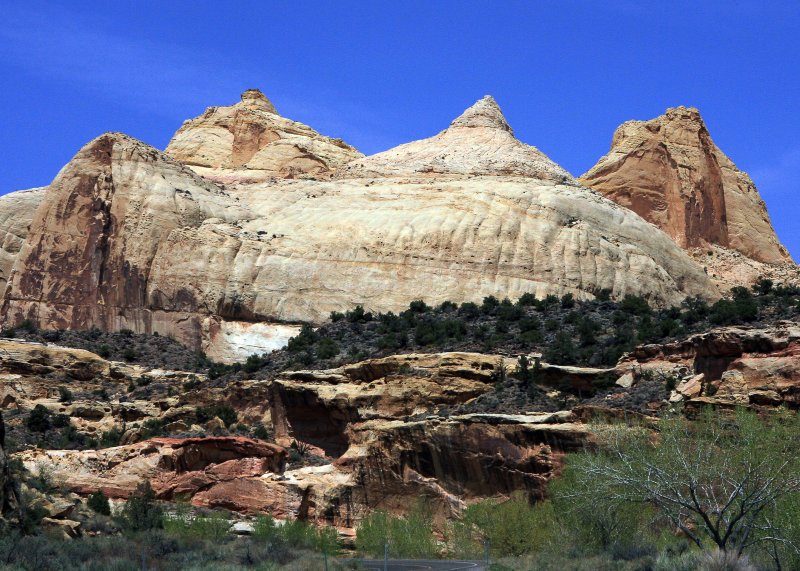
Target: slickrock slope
(127,237)
(670,172)
(249,141)
(729,268)
(93,240)
(389,230)
(16,213)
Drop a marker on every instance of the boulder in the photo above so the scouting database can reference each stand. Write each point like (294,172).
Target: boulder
(63,528)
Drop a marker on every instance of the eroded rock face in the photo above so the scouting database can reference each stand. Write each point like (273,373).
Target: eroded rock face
(457,460)
(16,213)
(669,171)
(390,465)
(318,406)
(249,141)
(175,467)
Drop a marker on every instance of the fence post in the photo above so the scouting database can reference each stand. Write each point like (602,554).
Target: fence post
(386,556)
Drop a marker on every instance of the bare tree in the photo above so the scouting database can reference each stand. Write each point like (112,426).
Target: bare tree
(724,481)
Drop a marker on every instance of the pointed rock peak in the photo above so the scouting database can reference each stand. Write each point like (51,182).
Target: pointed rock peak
(685,118)
(681,112)
(669,171)
(484,113)
(254,99)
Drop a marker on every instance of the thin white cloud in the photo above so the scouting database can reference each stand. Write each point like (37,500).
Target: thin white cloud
(54,44)
(158,77)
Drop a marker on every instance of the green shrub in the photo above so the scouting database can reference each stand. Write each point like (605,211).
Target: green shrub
(327,348)
(561,351)
(141,512)
(514,527)
(469,310)
(254,363)
(296,535)
(358,315)
(490,302)
(111,438)
(523,371)
(27,326)
(410,537)
(303,340)
(223,411)
(635,305)
(213,526)
(98,502)
(39,419)
(70,438)
(262,433)
(64,394)
(191,384)
(151,428)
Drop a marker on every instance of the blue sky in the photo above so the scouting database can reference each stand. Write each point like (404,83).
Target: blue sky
(379,73)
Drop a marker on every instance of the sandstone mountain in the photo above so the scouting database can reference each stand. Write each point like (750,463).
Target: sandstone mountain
(93,238)
(250,141)
(128,237)
(669,171)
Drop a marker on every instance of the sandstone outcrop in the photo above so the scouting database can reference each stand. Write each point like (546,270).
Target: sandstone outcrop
(384,425)
(127,237)
(669,171)
(101,395)
(318,406)
(175,467)
(16,213)
(389,465)
(250,141)
(730,365)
